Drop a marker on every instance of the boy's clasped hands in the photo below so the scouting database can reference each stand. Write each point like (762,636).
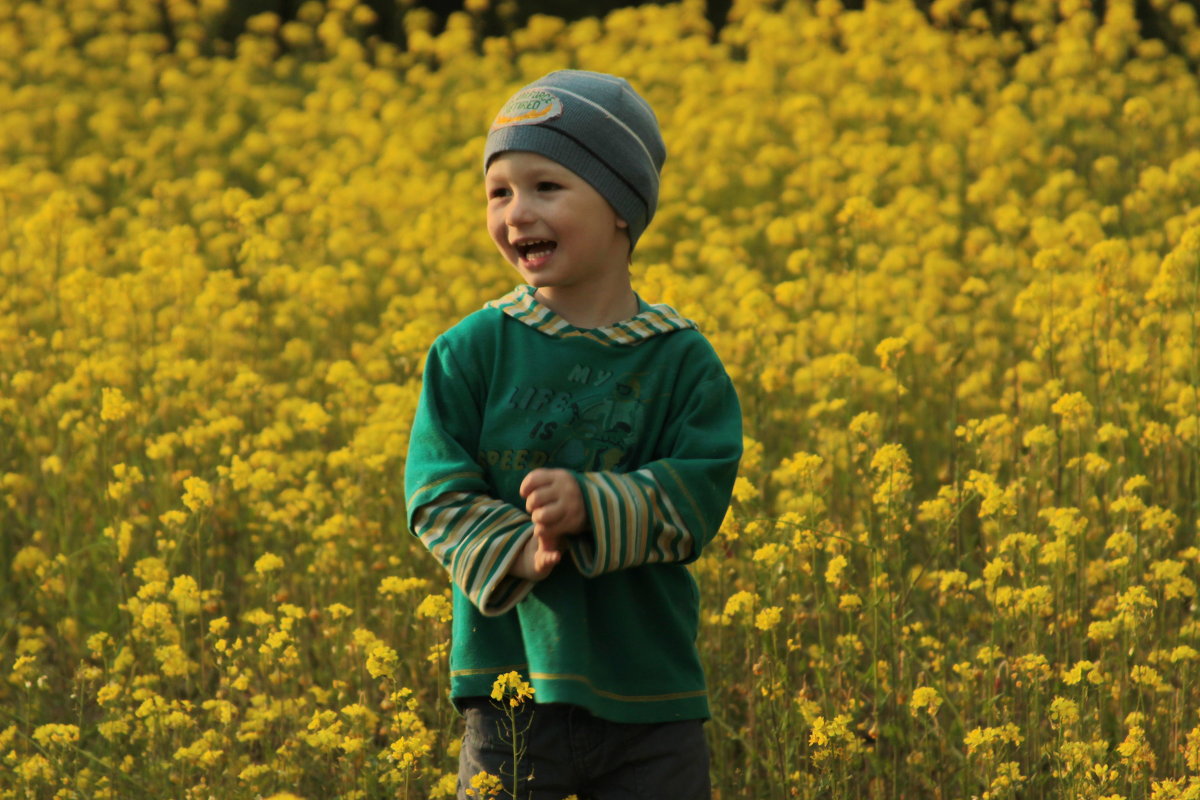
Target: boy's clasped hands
(555,503)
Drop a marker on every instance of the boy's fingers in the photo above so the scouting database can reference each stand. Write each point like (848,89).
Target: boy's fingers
(548,538)
(545,561)
(536,499)
(535,480)
(548,514)
(543,497)
(550,502)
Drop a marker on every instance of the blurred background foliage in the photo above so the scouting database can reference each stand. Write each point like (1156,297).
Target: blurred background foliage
(501,17)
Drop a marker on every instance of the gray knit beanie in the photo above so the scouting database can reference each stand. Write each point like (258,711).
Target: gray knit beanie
(595,125)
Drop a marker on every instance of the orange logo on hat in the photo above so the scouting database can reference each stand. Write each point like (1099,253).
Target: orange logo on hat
(529,107)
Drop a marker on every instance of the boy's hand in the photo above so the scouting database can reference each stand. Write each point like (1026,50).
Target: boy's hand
(553,500)
(555,504)
(536,560)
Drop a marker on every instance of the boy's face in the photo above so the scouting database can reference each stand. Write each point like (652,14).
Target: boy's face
(551,225)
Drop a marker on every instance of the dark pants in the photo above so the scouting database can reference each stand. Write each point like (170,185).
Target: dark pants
(569,751)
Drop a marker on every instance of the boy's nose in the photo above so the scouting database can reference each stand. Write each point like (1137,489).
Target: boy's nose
(519,212)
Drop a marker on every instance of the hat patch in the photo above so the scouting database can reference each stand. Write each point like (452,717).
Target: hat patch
(529,107)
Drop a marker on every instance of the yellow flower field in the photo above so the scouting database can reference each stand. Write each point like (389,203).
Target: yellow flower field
(954,272)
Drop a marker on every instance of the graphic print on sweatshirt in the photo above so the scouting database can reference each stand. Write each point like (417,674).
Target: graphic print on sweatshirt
(588,425)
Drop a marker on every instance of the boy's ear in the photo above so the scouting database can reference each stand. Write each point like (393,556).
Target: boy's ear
(622,223)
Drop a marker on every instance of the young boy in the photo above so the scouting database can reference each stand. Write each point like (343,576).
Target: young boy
(573,449)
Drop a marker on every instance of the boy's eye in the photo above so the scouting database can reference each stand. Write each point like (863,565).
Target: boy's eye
(547,186)
(498,191)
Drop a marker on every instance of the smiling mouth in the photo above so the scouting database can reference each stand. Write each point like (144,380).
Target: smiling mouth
(535,250)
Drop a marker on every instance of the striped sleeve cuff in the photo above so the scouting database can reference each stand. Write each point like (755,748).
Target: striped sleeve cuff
(477,538)
(633,523)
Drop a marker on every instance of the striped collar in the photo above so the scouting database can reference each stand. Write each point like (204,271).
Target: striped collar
(650,321)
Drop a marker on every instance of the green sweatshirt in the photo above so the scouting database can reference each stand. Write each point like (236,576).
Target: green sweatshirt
(646,419)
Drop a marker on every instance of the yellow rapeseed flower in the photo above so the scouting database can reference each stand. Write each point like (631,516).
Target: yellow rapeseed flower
(739,603)
(512,688)
(769,554)
(768,618)
(1074,409)
(113,405)
(382,661)
(925,698)
(483,784)
(393,585)
(268,563)
(186,594)
(890,350)
(833,571)
(743,490)
(197,494)
(56,734)
(435,606)
(339,611)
